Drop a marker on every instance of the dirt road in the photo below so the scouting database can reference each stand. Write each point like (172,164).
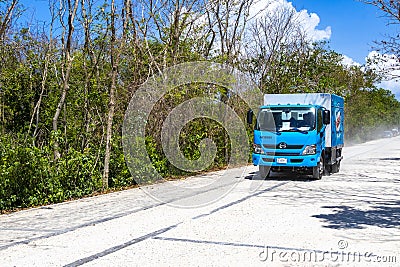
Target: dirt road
(351,218)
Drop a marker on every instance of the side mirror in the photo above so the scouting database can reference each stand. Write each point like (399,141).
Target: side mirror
(250,116)
(326,117)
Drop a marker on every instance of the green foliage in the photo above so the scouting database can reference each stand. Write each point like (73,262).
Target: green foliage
(369,112)
(197,130)
(119,173)
(28,177)
(24,176)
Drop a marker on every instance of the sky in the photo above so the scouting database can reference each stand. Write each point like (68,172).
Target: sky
(353,27)
(349,26)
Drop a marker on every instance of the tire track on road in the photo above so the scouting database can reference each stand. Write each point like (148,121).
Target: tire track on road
(154,234)
(239,200)
(117,216)
(119,247)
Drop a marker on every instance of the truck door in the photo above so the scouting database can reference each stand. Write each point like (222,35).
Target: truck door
(320,131)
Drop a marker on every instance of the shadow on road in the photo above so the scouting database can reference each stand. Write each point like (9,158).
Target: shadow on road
(281,176)
(389,159)
(384,215)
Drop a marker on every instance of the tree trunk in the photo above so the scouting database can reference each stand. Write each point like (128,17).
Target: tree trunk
(66,74)
(115,54)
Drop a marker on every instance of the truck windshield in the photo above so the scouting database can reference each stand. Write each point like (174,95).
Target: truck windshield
(281,119)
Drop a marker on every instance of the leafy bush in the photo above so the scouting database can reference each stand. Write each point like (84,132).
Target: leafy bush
(29,177)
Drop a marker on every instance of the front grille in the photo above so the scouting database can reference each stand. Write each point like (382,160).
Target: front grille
(286,154)
(282,154)
(276,146)
(268,159)
(294,146)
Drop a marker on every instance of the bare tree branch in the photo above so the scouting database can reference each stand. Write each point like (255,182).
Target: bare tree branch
(72,8)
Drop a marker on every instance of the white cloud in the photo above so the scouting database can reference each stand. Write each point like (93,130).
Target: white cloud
(309,21)
(349,62)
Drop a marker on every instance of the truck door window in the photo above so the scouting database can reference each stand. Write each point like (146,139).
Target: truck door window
(266,120)
(319,120)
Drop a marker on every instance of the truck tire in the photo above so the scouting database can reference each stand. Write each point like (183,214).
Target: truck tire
(263,171)
(336,167)
(327,170)
(319,170)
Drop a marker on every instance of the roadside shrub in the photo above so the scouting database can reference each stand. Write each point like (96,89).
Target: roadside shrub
(29,177)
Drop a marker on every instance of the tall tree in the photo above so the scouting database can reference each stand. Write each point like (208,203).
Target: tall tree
(116,50)
(48,52)
(6,17)
(276,39)
(228,21)
(71,8)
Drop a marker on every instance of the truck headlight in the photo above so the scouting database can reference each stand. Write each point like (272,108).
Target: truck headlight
(257,149)
(310,150)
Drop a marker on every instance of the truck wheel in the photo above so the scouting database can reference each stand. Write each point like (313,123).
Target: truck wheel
(327,170)
(263,171)
(336,167)
(318,170)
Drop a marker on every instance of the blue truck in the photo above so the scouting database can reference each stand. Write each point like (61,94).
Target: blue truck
(301,133)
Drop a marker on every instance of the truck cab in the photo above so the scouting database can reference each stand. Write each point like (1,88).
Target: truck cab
(297,136)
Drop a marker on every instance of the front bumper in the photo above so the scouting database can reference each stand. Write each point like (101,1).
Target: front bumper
(285,161)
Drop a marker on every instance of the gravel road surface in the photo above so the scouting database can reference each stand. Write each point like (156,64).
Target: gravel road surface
(351,218)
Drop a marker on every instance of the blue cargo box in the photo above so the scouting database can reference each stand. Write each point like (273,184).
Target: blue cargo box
(334,136)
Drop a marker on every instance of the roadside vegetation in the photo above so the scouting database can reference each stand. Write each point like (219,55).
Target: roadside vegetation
(65,84)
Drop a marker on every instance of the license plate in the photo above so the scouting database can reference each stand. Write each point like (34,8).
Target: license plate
(281,160)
